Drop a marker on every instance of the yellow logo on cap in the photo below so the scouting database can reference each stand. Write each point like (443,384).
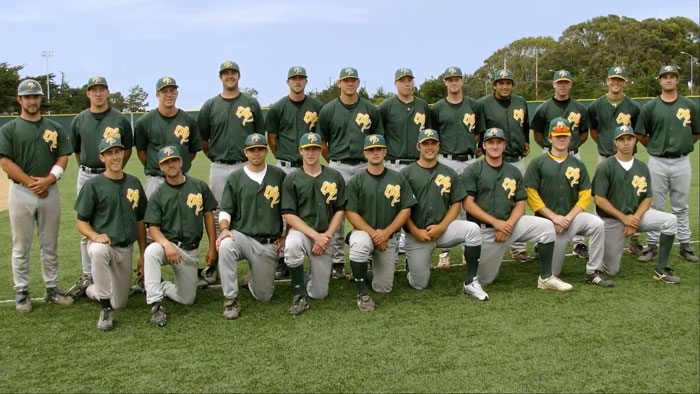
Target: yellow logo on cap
(574,118)
(311,118)
(330,190)
(668,68)
(561,127)
(195,201)
(625,128)
(562,73)
(183,132)
(51,137)
(111,132)
(255,138)
(110,140)
(509,185)
(373,139)
(393,192)
(624,119)
(31,85)
(429,132)
(419,119)
(133,196)
(297,70)
(451,70)
(166,80)
(312,138)
(640,183)
(684,114)
(469,120)
(519,115)
(96,80)
(445,182)
(349,71)
(272,193)
(228,64)
(618,70)
(573,174)
(364,121)
(168,151)
(503,73)
(245,113)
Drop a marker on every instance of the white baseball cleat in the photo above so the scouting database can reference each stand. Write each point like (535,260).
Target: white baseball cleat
(444,262)
(553,283)
(474,289)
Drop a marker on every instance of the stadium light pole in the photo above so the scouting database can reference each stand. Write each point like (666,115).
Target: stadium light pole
(692,59)
(47,54)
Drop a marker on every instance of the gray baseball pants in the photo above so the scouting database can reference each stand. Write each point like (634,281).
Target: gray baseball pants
(383,261)
(111,273)
(299,245)
(671,176)
(583,224)
(261,258)
(184,289)
(83,177)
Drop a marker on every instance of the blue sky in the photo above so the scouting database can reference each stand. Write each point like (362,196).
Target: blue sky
(136,42)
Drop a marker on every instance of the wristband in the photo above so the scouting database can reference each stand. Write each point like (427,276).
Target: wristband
(57,171)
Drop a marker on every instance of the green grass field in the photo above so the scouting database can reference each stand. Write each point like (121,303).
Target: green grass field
(640,336)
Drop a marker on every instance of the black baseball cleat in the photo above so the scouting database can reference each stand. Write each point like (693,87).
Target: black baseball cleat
(581,250)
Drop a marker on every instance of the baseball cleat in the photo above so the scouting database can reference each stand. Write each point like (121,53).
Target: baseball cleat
(299,305)
(666,275)
(597,278)
(55,296)
(635,247)
(521,257)
(648,254)
(232,309)
(210,273)
(553,283)
(106,320)
(581,250)
(282,269)
(78,289)
(338,271)
(365,303)
(244,282)
(158,316)
(138,288)
(444,261)
(689,255)
(475,290)
(22,303)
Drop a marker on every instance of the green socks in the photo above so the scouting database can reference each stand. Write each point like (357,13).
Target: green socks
(359,271)
(472,255)
(546,251)
(665,245)
(298,282)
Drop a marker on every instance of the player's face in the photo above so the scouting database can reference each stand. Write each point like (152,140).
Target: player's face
(503,88)
(616,85)
(98,96)
(429,149)
(562,88)
(375,156)
(668,82)
(625,144)
(348,86)
(171,167)
(404,86)
(560,142)
(454,85)
(297,84)
(30,104)
(494,147)
(310,155)
(256,155)
(113,158)
(167,97)
(229,79)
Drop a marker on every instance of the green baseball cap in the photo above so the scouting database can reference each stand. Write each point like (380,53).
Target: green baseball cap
(110,142)
(428,134)
(348,72)
(296,71)
(623,130)
(403,72)
(229,65)
(97,81)
(255,140)
(164,82)
(504,74)
(562,75)
(671,69)
(494,132)
(310,139)
(617,72)
(452,72)
(168,152)
(374,141)
(559,126)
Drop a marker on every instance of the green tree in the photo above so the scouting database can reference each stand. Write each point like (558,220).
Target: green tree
(116,101)
(252,92)
(380,95)
(136,100)
(432,89)
(9,79)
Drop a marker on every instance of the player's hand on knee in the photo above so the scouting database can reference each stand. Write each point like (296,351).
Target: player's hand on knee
(101,239)
(559,229)
(561,221)
(421,235)
(629,231)
(503,227)
(322,240)
(501,236)
(631,220)
(222,235)
(317,250)
(434,231)
(383,246)
(171,254)
(380,236)
(279,244)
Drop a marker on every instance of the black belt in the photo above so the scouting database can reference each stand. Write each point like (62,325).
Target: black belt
(229,162)
(185,246)
(122,245)
(402,162)
(350,162)
(458,157)
(266,240)
(512,159)
(672,155)
(289,164)
(92,170)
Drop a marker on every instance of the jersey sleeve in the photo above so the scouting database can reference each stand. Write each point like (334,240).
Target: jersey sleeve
(601,180)
(154,213)
(585,124)
(520,193)
(353,194)
(408,199)
(340,202)
(323,127)
(74,134)
(272,122)
(532,175)
(643,126)
(227,204)
(128,134)
(64,145)
(6,141)
(384,113)
(289,197)
(203,121)
(694,117)
(140,134)
(636,110)
(538,120)
(258,118)
(458,192)
(143,203)
(469,180)
(86,202)
(210,203)
(592,112)
(376,117)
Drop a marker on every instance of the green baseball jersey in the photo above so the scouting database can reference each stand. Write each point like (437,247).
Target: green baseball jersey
(401,123)
(178,210)
(314,199)
(289,120)
(255,209)
(34,146)
(509,115)
(669,126)
(344,127)
(113,207)
(153,131)
(571,110)
(456,124)
(379,198)
(225,123)
(435,189)
(495,189)
(624,189)
(87,130)
(605,117)
(558,184)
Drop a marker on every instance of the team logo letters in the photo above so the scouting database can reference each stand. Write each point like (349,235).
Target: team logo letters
(133,196)
(330,190)
(182,132)
(445,182)
(393,192)
(640,183)
(272,193)
(51,137)
(509,185)
(245,113)
(573,175)
(364,121)
(195,201)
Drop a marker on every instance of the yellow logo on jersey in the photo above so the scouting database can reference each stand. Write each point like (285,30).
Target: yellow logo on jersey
(195,201)
(393,192)
(419,119)
(574,118)
(624,119)
(640,183)
(469,120)
(445,182)
(182,132)
(509,185)
(310,118)
(272,193)
(364,121)
(330,190)
(133,196)
(684,114)
(51,137)
(573,175)
(111,132)
(245,113)
(519,115)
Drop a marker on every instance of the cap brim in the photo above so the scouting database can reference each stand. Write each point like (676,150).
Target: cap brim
(112,146)
(168,158)
(429,138)
(165,86)
(404,75)
(668,72)
(563,79)
(255,146)
(623,134)
(374,146)
(347,76)
(310,145)
(97,84)
(228,68)
(617,76)
(554,133)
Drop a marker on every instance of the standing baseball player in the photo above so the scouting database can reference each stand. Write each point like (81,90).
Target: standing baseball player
(607,112)
(287,120)
(33,153)
(313,203)
(88,128)
(496,202)
(379,202)
(251,226)
(669,126)
(432,224)
(110,210)
(508,112)
(343,124)
(559,189)
(175,214)
(622,187)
